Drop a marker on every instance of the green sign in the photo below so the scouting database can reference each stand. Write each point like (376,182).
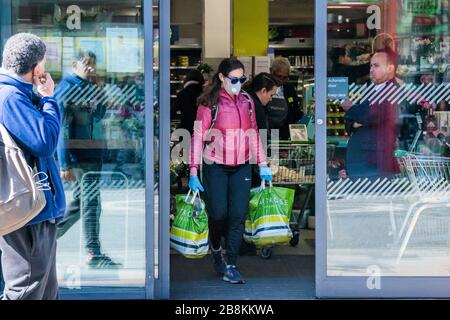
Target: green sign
(424,7)
(250,27)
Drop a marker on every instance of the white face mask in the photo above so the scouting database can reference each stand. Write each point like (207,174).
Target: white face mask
(233,88)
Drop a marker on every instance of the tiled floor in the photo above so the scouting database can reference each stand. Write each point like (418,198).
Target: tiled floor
(287,277)
(288,274)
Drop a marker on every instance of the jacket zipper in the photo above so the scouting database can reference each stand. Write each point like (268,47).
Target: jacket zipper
(240,127)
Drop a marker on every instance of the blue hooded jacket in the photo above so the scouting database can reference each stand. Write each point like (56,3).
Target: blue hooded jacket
(78,122)
(35,127)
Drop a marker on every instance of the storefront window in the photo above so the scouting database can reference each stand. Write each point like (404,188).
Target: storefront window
(388,114)
(95,54)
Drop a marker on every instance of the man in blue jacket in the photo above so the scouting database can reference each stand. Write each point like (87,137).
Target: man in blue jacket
(81,114)
(33,120)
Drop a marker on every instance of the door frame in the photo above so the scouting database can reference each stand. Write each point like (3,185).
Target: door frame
(162,283)
(149,152)
(350,287)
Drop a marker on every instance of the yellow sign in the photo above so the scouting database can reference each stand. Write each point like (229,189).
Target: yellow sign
(250,27)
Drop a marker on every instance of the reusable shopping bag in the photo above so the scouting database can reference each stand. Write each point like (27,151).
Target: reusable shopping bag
(22,195)
(189,230)
(269,215)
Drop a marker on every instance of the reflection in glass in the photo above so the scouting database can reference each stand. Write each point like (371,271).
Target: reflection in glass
(95,54)
(389,178)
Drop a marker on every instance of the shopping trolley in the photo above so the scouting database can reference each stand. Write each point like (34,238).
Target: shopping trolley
(293,164)
(429,176)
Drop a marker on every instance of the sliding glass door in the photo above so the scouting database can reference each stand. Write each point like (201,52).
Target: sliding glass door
(108,60)
(384,104)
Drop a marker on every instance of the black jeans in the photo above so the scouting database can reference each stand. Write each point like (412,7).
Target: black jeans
(86,199)
(227,195)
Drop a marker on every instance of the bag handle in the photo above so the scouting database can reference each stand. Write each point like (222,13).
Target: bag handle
(263,184)
(196,193)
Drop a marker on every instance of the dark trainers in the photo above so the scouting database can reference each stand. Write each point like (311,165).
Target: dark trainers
(219,263)
(102,261)
(232,275)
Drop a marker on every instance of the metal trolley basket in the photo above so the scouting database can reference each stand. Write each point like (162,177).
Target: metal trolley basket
(293,164)
(430,179)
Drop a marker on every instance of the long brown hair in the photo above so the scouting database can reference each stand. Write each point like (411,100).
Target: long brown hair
(211,95)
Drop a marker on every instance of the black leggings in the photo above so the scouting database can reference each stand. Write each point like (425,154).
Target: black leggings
(227,195)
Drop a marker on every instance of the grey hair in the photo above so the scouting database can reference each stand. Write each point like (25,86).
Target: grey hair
(80,54)
(281,63)
(22,52)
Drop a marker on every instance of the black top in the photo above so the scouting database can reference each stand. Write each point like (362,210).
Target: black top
(261,116)
(186,102)
(290,116)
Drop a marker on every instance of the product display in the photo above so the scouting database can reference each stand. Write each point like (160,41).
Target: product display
(183,59)
(335,121)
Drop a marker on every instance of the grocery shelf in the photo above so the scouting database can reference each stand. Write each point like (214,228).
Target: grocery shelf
(340,141)
(185,47)
(183,68)
(336,115)
(290,47)
(302,67)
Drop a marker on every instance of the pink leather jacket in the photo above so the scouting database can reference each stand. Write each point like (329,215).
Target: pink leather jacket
(232,138)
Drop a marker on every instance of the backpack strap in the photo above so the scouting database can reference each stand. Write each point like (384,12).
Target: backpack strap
(249,99)
(214,113)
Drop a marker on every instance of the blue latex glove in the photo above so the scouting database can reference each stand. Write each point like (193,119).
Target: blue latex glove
(265,173)
(194,184)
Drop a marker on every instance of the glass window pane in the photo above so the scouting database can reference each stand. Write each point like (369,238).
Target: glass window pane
(95,55)
(388,114)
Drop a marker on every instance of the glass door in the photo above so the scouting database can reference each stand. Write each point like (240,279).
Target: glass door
(108,60)
(383,194)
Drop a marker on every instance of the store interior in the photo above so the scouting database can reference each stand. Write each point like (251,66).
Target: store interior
(351,41)
(291,29)
(202,34)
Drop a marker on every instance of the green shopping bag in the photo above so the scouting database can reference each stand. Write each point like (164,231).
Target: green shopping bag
(269,215)
(189,230)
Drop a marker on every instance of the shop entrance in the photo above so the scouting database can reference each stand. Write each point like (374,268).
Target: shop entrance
(380,131)
(203,34)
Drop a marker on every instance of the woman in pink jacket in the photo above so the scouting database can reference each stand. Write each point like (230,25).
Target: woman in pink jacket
(226,142)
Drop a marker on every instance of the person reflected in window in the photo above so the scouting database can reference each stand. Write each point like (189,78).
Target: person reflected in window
(186,101)
(342,65)
(80,115)
(372,125)
(285,107)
